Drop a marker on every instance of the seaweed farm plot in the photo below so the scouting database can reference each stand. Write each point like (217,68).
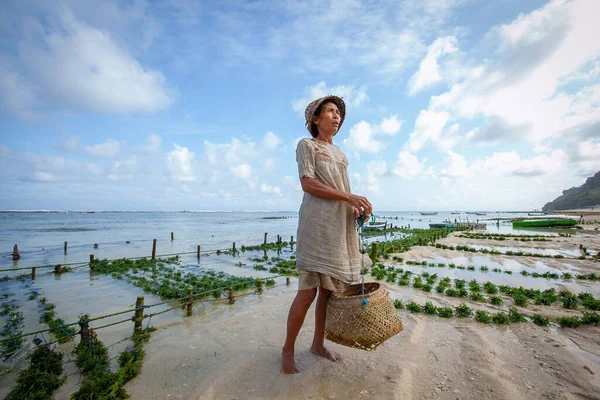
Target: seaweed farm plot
(532,250)
(548,300)
(100,292)
(500,276)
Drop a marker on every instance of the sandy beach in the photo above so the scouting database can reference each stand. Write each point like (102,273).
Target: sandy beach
(238,356)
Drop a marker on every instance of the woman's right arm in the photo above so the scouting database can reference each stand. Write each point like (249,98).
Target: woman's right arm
(318,189)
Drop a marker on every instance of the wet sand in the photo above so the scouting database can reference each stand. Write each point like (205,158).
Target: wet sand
(238,357)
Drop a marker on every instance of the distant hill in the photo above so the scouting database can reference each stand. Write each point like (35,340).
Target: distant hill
(586,195)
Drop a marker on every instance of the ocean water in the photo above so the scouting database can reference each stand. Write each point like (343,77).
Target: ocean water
(41,235)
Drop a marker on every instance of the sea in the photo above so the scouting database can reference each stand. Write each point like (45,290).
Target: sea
(40,235)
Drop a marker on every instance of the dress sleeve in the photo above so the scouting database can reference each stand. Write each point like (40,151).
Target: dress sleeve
(305,156)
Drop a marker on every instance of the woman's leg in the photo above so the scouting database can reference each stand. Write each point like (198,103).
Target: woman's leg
(318,344)
(298,310)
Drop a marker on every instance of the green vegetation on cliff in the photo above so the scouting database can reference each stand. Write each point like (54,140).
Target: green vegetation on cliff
(586,195)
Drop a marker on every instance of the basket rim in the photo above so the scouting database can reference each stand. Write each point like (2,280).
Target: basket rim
(342,295)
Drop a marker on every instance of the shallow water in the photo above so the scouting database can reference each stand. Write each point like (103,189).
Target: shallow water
(41,235)
(533,250)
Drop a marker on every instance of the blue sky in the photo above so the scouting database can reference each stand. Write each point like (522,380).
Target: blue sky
(197,105)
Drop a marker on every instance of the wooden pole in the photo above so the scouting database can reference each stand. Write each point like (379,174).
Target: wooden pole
(231,296)
(84,326)
(278,239)
(139,314)
(33,273)
(154,249)
(190,303)
(15,253)
(292,240)
(65,247)
(58,269)
(172,236)
(265,242)
(287,281)
(234,247)
(91,262)
(198,252)
(259,288)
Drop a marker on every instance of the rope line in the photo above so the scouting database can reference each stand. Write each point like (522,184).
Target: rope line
(114,323)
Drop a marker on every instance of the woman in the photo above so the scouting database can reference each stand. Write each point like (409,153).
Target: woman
(327,253)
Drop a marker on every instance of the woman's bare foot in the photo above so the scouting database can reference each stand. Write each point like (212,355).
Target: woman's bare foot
(288,363)
(328,354)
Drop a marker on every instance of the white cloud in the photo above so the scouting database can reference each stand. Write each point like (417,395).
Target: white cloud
(362,136)
(42,176)
(243,171)
(428,128)
(407,166)
(521,86)
(456,167)
(429,70)
(269,164)
(390,126)
(5,152)
(72,64)
(153,145)
(375,170)
(44,168)
(290,180)
(362,139)
(510,163)
(230,154)
(270,141)
(108,149)
(352,97)
(72,143)
(17,96)
(180,163)
(264,188)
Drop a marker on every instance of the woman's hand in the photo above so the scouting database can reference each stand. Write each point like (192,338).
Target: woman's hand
(360,204)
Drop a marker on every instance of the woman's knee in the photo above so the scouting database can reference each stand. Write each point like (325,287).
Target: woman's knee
(306,297)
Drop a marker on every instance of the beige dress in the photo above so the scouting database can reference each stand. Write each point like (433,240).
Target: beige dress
(327,253)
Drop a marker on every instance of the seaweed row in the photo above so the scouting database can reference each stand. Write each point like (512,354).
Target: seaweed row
(499,318)
(567,276)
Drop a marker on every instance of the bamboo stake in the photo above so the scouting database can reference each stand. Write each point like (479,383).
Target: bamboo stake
(231,296)
(154,249)
(91,262)
(16,255)
(84,328)
(265,242)
(139,314)
(33,273)
(65,247)
(190,303)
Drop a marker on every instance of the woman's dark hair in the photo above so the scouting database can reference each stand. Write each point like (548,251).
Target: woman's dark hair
(314,132)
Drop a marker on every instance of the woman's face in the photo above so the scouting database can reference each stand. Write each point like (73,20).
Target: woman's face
(328,122)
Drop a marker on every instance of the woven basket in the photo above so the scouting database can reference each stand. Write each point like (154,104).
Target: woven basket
(350,324)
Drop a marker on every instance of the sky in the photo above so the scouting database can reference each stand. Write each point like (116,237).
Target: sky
(199,105)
